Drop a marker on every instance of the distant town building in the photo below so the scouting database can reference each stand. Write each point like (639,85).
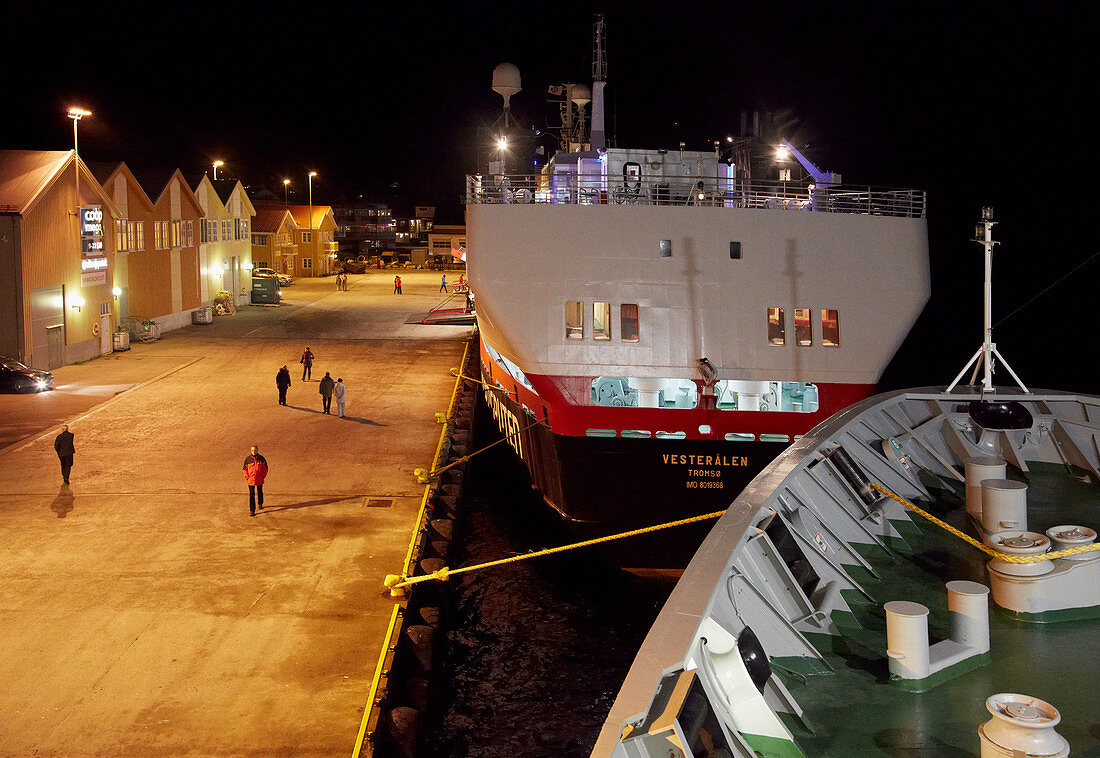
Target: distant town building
(365,229)
(57,253)
(448,240)
(274,239)
(225,246)
(157,266)
(316,246)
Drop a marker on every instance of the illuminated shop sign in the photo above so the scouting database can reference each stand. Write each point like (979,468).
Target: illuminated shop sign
(91,221)
(93,254)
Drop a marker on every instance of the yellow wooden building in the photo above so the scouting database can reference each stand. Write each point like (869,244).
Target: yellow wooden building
(57,251)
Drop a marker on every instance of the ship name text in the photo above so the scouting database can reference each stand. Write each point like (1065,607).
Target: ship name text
(506,421)
(705,460)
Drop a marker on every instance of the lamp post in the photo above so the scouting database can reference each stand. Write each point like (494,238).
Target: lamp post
(286,183)
(216,165)
(311,242)
(77,113)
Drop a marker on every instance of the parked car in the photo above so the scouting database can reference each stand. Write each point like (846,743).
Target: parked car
(284,279)
(15,377)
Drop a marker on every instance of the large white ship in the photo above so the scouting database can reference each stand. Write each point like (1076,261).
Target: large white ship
(661,323)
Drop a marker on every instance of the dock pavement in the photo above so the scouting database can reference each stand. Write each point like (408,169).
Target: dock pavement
(142,610)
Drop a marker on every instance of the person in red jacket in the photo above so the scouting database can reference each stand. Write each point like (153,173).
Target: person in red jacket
(255,471)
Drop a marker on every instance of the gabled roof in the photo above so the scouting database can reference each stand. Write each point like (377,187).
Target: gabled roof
(301,214)
(123,169)
(224,189)
(155,181)
(25,175)
(269,218)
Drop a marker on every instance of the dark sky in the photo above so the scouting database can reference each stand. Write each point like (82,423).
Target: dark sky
(977,103)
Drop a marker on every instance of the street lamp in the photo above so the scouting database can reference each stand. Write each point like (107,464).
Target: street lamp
(216,165)
(76,113)
(311,242)
(286,183)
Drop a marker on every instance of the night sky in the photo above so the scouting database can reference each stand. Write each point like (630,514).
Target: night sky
(977,103)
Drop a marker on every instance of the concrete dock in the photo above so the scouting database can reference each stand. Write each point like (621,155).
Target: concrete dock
(142,611)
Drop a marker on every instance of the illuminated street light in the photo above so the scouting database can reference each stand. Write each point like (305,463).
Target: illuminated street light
(286,183)
(502,143)
(311,175)
(76,113)
(216,165)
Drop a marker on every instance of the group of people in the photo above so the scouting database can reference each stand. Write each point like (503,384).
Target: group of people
(328,389)
(341,282)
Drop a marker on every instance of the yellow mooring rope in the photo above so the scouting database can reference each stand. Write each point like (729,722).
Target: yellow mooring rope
(397,583)
(985,548)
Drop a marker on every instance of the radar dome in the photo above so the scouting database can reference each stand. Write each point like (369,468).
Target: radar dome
(582,95)
(506,81)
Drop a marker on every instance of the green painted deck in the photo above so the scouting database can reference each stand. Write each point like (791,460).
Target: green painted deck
(857,711)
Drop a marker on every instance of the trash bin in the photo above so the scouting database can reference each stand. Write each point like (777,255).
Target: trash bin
(121,341)
(203,315)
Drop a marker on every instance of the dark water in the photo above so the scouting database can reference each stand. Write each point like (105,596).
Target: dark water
(535,650)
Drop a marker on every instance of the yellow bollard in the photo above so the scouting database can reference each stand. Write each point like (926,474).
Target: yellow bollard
(390,581)
(421,475)
(441,418)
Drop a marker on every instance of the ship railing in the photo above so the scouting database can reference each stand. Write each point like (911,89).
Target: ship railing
(701,191)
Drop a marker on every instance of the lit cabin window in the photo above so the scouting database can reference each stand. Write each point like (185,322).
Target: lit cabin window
(628,322)
(601,321)
(776,327)
(830,327)
(803,331)
(574,320)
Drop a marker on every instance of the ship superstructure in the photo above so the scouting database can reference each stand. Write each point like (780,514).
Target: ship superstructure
(654,324)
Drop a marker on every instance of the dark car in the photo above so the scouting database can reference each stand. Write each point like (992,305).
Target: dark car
(15,377)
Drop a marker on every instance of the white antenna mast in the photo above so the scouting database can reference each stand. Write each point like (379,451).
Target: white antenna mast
(988,350)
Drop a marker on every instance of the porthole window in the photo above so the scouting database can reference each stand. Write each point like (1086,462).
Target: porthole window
(601,321)
(574,320)
(830,327)
(628,322)
(776,327)
(803,330)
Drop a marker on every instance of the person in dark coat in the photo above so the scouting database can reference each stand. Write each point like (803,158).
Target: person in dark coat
(282,381)
(255,471)
(63,444)
(326,391)
(307,364)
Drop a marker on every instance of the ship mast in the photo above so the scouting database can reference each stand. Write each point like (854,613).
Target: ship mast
(988,351)
(598,137)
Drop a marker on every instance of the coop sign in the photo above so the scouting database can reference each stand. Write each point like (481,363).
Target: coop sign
(93,253)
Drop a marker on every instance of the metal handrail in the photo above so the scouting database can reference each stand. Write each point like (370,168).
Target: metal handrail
(565,188)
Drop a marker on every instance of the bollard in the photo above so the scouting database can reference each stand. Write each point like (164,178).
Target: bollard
(1004,505)
(968,605)
(907,639)
(978,469)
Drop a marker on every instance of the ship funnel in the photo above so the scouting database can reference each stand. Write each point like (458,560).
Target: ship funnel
(506,82)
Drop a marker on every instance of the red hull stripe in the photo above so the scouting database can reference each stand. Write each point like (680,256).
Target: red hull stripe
(566,402)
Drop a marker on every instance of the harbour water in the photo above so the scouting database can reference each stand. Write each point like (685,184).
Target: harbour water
(535,651)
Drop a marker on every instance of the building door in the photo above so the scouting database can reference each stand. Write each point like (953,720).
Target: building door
(55,346)
(104,333)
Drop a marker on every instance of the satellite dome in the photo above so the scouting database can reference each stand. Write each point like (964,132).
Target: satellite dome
(506,81)
(582,95)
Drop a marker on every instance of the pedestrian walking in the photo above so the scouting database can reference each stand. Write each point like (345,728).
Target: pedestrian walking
(397,286)
(255,471)
(340,392)
(282,381)
(326,392)
(339,284)
(443,284)
(344,282)
(307,364)
(63,445)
